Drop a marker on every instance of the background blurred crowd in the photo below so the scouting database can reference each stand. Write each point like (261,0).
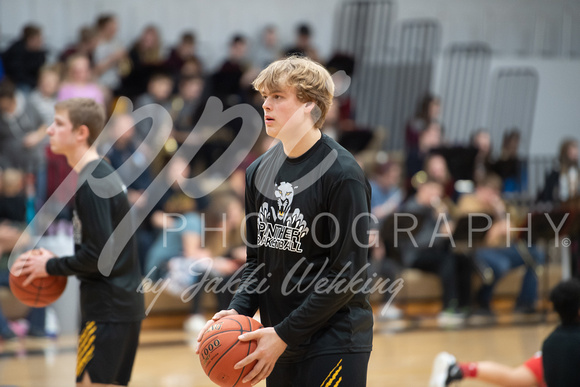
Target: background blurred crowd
(429,177)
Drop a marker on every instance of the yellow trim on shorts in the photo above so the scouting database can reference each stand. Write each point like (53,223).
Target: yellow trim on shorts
(332,376)
(86,346)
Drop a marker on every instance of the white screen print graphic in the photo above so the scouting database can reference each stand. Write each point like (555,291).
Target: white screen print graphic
(212,119)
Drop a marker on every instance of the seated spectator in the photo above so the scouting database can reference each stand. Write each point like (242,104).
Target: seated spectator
(134,159)
(171,239)
(159,91)
(387,194)
(180,54)
(12,196)
(481,142)
(561,350)
(434,255)
(125,152)
(85,45)
(24,58)
(147,59)
(109,54)
(509,166)
(43,98)
(192,67)
(429,139)
(21,130)
(428,111)
(226,82)
(12,223)
(184,106)
(496,254)
(563,183)
(436,168)
(79,81)
(303,45)
(267,49)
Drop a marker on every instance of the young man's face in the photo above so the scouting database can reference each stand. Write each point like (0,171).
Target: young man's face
(283,113)
(61,134)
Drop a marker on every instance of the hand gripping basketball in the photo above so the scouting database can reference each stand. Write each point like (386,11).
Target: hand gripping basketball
(30,283)
(220,349)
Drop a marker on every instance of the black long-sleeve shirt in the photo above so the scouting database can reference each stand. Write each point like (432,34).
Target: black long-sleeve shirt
(303,229)
(561,355)
(104,297)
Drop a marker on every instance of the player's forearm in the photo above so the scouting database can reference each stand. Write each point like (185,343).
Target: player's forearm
(72,265)
(245,300)
(311,317)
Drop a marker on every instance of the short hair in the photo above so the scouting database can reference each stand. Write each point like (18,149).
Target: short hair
(104,19)
(188,37)
(84,111)
(49,69)
(7,89)
(491,180)
(304,30)
(310,79)
(566,299)
(189,78)
(86,34)
(30,31)
(160,76)
(237,39)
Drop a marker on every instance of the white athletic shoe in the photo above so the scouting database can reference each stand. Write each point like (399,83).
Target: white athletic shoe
(445,370)
(389,312)
(195,323)
(451,320)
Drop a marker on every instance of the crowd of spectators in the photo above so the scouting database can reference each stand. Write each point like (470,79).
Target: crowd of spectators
(430,177)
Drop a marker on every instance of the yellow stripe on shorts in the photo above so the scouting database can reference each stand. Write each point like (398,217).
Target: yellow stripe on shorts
(86,346)
(330,379)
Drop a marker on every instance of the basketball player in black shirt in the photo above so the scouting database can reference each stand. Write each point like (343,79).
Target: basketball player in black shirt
(307,225)
(561,349)
(111,307)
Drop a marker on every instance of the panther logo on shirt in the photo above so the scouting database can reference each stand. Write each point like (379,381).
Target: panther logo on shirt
(281,228)
(285,194)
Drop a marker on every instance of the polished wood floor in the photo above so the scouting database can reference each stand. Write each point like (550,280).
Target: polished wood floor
(166,358)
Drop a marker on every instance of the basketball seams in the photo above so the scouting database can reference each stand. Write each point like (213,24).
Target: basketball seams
(247,354)
(222,355)
(241,329)
(218,332)
(38,294)
(235,349)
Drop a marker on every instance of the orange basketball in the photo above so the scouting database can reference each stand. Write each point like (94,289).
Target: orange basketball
(220,350)
(40,292)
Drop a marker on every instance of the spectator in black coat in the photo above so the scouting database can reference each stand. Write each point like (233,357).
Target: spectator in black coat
(24,58)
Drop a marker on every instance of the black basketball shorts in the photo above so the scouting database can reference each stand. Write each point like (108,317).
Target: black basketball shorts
(339,370)
(107,351)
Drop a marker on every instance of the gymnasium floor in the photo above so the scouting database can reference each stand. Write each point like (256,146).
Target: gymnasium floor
(166,358)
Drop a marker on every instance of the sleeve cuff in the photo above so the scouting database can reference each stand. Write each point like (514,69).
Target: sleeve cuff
(282,333)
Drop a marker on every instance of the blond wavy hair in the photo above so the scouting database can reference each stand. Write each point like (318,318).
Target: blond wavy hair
(311,81)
